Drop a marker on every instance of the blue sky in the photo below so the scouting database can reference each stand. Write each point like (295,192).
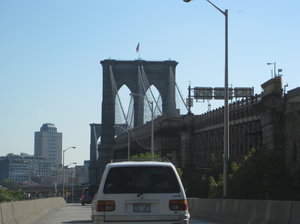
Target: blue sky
(50,53)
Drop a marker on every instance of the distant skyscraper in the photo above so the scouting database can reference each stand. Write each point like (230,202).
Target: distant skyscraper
(48,143)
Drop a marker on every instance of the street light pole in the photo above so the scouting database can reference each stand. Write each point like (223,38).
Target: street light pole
(72,186)
(71,177)
(63,169)
(226,114)
(152,122)
(152,131)
(274,63)
(226,108)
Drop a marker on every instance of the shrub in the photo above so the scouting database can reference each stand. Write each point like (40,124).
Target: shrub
(261,175)
(10,195)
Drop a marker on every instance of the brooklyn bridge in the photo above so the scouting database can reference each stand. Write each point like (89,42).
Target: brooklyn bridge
(269,120)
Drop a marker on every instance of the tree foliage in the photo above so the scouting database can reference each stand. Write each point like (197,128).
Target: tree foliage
(204,182)
(195,183)
(147,156)
(261,175)
(9,191)
(9,184)
(10,195)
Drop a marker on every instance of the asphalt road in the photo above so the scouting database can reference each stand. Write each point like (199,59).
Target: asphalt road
(77,214)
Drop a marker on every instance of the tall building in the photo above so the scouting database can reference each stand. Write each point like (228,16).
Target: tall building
(82,173)
(27,168)
(48,143)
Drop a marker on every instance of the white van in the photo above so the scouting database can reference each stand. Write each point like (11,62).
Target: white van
(140,192)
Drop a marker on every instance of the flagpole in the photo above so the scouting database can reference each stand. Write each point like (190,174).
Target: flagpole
(138,51)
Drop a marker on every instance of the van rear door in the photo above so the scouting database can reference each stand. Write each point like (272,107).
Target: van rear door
(142,193)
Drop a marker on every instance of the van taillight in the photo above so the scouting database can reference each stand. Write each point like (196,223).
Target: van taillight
(178,205)
(105,205)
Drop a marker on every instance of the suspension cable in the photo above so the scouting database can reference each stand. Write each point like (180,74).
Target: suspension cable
(172,74)
(148,85)
(114,86)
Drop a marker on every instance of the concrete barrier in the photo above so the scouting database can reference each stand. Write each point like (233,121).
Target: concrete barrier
(245,211)
(7,215)
(26,212)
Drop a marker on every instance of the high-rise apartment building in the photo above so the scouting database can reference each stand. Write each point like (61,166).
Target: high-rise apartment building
(48,143)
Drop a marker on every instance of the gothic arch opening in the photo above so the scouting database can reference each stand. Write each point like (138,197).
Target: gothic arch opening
(152,94)
(123,106)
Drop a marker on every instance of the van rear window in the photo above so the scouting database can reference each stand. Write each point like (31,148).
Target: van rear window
(143,179)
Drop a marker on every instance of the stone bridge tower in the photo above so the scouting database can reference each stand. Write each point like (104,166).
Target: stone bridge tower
(158,74)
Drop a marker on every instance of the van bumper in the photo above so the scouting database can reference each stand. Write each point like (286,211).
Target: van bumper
(100,220)
(148,222)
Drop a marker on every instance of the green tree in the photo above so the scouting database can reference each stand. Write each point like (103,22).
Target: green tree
(10,195)
(215,187)
(261,175)
(205,182)
(9,184)
(195,182)
(215,179)
(147,156)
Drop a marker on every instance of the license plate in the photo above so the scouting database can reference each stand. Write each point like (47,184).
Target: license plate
(141,207)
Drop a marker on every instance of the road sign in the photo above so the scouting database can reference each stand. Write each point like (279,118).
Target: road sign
(243,92)
(219,93)
(203,93)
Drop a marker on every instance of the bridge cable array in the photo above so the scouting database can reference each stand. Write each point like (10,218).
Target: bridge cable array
(147,93)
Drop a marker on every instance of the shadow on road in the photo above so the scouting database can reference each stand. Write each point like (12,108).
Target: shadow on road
(79,222)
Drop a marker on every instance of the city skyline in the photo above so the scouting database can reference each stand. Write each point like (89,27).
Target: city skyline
(50,54)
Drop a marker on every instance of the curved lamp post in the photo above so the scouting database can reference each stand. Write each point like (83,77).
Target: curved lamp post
(71,179)
(71,164)
(152,122)
(63,169)
(226,108)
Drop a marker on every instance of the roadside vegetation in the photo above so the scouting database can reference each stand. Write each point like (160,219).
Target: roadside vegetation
(261,175)
(9,191)
(147,156)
